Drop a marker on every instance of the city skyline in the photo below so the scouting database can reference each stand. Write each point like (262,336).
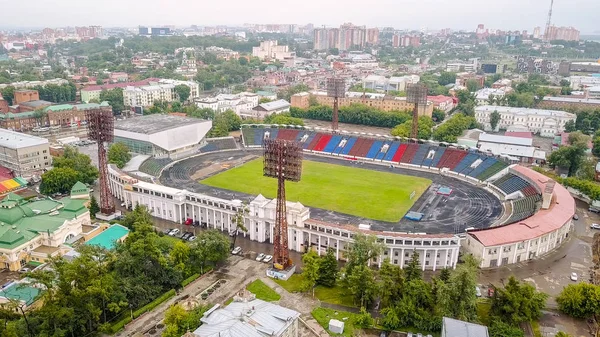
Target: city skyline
(400,14)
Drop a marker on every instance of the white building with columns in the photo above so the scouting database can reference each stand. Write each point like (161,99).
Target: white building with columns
(435,251)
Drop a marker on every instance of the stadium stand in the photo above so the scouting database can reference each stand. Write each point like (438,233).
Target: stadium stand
(332,144)
(468,160)
(389,156)
(409,154)
(365,147)
(152,166)
(323,141)
(420,155)
(482,167)
(524,208)
(248,136)
(314,142)
(492,170)
(375,148)
(306,138)
(439,153)
(385,147)
(218,145)
(510,183)
(349,145)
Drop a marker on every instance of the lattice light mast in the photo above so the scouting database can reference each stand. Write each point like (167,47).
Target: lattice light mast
(336,88)
(283,161)
(416,94)
(101,129)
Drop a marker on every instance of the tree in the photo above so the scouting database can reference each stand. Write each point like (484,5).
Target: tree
(58,180)
(412,271)
(363,249)
(8,93)
(210,248)
(284,119)
(238,219)
(182,91)
(423,130)
(310,270)
(445,275)
(81,163)
(180,255)
(568,157)
(94,207)
(361,285)
(473,85)
(446,78)
(114,97)
(565,83)
(518,302)
(501,329)
(40,116)
(328,269)
(438,115)
(364,319)
(587,169)
(581,300)
(596,146)
(494,119)
(264,100)
(570,126)
(118,154)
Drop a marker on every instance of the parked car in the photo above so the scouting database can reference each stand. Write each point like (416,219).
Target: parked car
(232,233)
(168,230)
(575,217)
(267,258)
(574,277)
(595,226)
(260,257)
(236,250)
(188,221)
(187,235)
(477,291)
(123,204)
(174,231)
(25,270)
(192,238)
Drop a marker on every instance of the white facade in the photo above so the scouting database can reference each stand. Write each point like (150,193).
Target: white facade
(241,103)
(436,251)
(582,82)
(471,66)
(547,123)
(482,96)
(147,95)
(383,83)
(270,50)
(194,86)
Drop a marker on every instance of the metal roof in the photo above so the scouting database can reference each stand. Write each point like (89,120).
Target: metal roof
(151,124)
(455,328)
(485,137)
(279,104)
(18,140)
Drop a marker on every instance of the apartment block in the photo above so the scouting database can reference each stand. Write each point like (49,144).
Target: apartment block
(25,155)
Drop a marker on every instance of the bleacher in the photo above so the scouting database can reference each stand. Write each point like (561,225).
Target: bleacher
(349,144)
(468,160)
(524,208)
(333,143)
(451,158)
(510,183)
(391,151)
(152,166)
(409,154)
(375,148)
(492,170)
(420,155)
(213,145)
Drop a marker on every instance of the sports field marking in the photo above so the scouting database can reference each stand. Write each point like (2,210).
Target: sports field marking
(360,192)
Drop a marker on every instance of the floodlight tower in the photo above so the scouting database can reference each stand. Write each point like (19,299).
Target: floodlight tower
(283,161)
(417,94)
(336,88)
(101,129)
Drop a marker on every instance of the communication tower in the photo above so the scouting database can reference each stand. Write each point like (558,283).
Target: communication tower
(416,94)
(101,129)
(336,88)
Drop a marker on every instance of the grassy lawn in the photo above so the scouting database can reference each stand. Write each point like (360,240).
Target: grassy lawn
(263,291)
(323,315)
(355,191)
(335,295)
(483,311)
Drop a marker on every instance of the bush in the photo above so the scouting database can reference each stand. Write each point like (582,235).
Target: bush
(189,280)
(118,326)
(150,306)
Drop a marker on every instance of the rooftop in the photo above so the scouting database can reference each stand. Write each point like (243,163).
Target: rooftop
(119,85)
(36,104)
(455,328)
(20,291)
(524,111)
(109,237)
(86,106)
(279,104)
(572,100)
(485,137)
(151,124)
(254,318)
(18,140)
(543,222)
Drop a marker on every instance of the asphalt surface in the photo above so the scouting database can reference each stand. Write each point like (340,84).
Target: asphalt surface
(467,206)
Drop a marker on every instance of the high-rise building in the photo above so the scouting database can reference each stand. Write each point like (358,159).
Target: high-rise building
(561,33)
(537,33)
(406,41)
(90,32)
(373,36)
(269,50)
(346,37)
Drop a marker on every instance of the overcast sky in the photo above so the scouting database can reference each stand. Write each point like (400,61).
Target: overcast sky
(413,14)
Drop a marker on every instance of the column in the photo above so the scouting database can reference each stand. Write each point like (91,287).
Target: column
(500,256)
(401,259)
(435,252)
(193,213)
(319,242)
(455,253)
(180,217)
(424,258)
(309,242)
(514,260)
(271,227)
(222,221)
(452,257)
(337,250)
(527,252)
(446,258)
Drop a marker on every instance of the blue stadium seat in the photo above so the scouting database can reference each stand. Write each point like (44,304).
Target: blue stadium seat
(311,136)
(349,145)
(381,154)
(374,149)
(258,136)
(468,160)
(429,156)
(420,155)
(483,166)
(392,151)
(438,155)
(335,140)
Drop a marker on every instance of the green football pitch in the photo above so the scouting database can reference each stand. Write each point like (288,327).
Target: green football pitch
(355,191)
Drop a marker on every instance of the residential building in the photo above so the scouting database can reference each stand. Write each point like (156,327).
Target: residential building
(460,66)
(32,84)
(435,250)
(146,96)
(93,92)
(118,77)
(382,83)
(455,328)
(266,109)
(155,31)
(37,230)
(30,106)
(561,33)
(580,103)
(377,101)
(441,102)
(249,317)
(162,135)
(373,36)
(585,67)
(270,50)
(24,154)
(405,41)
(241,103)
(537,32)
(583,82)
(61,114)
(482,96)
(535,65)
(344,38)
(3,105)
(91,32)
(546,123)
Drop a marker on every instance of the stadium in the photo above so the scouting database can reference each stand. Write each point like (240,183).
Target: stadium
(432,198)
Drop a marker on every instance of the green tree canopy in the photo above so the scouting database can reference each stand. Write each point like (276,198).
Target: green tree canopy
(424,128)
(58,180)
(118,154)
(183,92)
(518,302)
(81,163)
(581,300)
(114,97)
